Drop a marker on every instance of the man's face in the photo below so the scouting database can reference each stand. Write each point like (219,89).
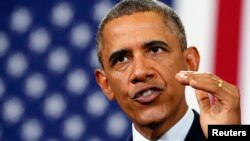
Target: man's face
(141,57)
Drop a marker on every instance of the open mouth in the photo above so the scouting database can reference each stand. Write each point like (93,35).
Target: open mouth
(148,95)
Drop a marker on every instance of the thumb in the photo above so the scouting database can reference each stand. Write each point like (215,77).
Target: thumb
(203,100)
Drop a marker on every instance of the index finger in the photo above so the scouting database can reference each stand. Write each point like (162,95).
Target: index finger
(207,82)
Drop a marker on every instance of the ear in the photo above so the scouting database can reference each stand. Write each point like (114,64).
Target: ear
(104,84)
(192,58)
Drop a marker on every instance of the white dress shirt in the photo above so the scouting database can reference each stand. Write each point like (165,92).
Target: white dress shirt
(177,133)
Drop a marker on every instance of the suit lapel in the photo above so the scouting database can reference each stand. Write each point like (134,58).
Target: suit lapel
(195,133)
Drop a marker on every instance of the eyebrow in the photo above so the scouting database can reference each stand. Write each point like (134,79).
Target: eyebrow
(115,54)
(155,43)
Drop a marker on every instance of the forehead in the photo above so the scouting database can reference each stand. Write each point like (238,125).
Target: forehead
(145,24)
(137,18)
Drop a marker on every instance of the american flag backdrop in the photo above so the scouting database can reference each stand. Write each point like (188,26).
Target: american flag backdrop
(48,90)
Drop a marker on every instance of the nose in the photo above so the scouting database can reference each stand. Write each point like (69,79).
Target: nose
(142,70)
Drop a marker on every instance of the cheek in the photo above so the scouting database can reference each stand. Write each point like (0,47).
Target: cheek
(167,71)
(115,76)
(118,83)
(170,67)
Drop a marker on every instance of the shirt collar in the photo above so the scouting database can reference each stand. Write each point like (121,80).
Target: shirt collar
(178,132)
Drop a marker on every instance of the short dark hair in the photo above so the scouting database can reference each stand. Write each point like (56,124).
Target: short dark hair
(129,7)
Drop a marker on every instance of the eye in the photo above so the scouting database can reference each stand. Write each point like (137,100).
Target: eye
(120,59)
(156,49)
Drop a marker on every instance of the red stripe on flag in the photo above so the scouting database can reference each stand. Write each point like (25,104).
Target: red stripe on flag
(228,40)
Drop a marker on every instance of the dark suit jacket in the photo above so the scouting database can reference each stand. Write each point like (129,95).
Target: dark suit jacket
(195,133)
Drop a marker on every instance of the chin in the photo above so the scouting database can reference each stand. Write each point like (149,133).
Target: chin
(151,118)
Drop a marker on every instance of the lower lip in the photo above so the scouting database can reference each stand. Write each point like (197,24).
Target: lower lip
(148,99)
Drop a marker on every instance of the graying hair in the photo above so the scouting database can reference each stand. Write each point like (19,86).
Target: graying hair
(129,7)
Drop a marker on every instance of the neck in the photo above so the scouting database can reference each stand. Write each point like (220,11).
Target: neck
(156,130)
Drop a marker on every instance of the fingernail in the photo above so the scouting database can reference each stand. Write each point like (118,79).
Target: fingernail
(182,75)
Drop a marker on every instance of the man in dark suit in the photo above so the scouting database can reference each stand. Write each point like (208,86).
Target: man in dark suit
(146,64)
(194,134)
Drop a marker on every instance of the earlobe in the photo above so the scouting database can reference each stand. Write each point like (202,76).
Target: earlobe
(103,83)
(192,58)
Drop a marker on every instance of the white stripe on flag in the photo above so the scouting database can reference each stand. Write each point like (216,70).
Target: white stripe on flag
(244,72)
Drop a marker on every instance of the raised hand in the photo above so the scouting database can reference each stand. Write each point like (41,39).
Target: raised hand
(223,108)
